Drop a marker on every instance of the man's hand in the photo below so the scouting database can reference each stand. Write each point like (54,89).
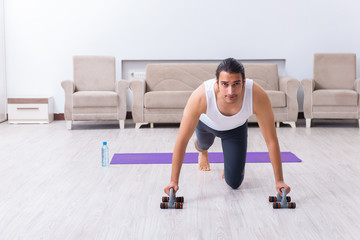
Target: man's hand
(172,185)
(280,185)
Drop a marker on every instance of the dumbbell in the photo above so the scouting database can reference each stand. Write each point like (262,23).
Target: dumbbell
(278,198)
(282,202)
(287,205)
(172,201)
(178,199)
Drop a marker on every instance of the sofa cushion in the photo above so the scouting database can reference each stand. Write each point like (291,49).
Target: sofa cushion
(166,99)
(95,99)
(177,77)
(277,98)
(264,74)
(334,97)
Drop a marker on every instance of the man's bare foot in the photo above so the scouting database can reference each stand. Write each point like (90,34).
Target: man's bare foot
(203,159)
(223,176)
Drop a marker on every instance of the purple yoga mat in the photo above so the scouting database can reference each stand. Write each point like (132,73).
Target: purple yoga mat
(214,157)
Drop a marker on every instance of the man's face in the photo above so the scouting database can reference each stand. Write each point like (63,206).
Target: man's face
(230,86)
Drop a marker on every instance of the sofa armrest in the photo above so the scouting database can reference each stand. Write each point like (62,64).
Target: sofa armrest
(357,85)
(308,86)
(357,89)
(69,89)
(138,87)
(121,87)
(290,86)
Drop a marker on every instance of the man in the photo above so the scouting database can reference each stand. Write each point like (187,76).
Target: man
(220,107)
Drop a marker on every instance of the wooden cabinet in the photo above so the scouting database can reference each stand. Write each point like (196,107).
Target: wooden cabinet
(31,110)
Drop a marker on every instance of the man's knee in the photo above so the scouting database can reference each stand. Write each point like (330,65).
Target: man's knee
(234,180)
(203,146)
(234,183)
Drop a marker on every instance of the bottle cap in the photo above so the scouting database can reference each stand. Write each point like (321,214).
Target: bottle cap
(104,143)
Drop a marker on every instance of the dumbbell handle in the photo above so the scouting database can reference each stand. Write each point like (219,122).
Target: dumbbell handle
(278,199)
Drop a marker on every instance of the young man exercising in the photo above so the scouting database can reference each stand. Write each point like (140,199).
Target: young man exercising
(220,108)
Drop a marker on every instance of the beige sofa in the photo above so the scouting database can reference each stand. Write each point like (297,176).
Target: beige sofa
(94,94)
(162,96)
(333,93)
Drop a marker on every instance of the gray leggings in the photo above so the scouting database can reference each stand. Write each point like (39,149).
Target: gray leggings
(234,144)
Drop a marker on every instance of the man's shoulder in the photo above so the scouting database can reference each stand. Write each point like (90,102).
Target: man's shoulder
(259,94)
(260,97)
(198,99)
(199,93)
(258,91)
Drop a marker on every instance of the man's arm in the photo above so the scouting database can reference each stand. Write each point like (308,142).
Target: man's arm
(195,106)
(265,116)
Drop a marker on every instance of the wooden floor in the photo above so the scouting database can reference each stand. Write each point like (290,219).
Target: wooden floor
(52,186)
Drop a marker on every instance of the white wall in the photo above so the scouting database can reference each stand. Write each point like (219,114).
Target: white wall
(3,97)
(43,35)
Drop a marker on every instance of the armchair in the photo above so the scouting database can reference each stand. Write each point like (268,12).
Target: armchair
(333,93)
(94,94)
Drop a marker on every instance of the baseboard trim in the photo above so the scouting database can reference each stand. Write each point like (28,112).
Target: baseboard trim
(61,116)
(128,115)
(301,115)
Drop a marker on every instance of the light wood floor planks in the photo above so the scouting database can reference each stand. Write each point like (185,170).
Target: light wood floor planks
(52,186)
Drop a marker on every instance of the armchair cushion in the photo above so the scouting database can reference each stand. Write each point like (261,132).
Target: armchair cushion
(334,97)
(334,70)
(95,99)
(94,73)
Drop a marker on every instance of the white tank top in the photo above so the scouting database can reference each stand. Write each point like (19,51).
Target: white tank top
(217,121)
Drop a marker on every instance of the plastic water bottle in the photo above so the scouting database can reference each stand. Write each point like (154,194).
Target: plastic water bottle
(105,155)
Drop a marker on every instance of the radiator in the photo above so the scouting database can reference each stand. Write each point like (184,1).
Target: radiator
(138,75)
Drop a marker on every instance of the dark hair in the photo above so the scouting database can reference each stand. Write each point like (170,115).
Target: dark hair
(230,65)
